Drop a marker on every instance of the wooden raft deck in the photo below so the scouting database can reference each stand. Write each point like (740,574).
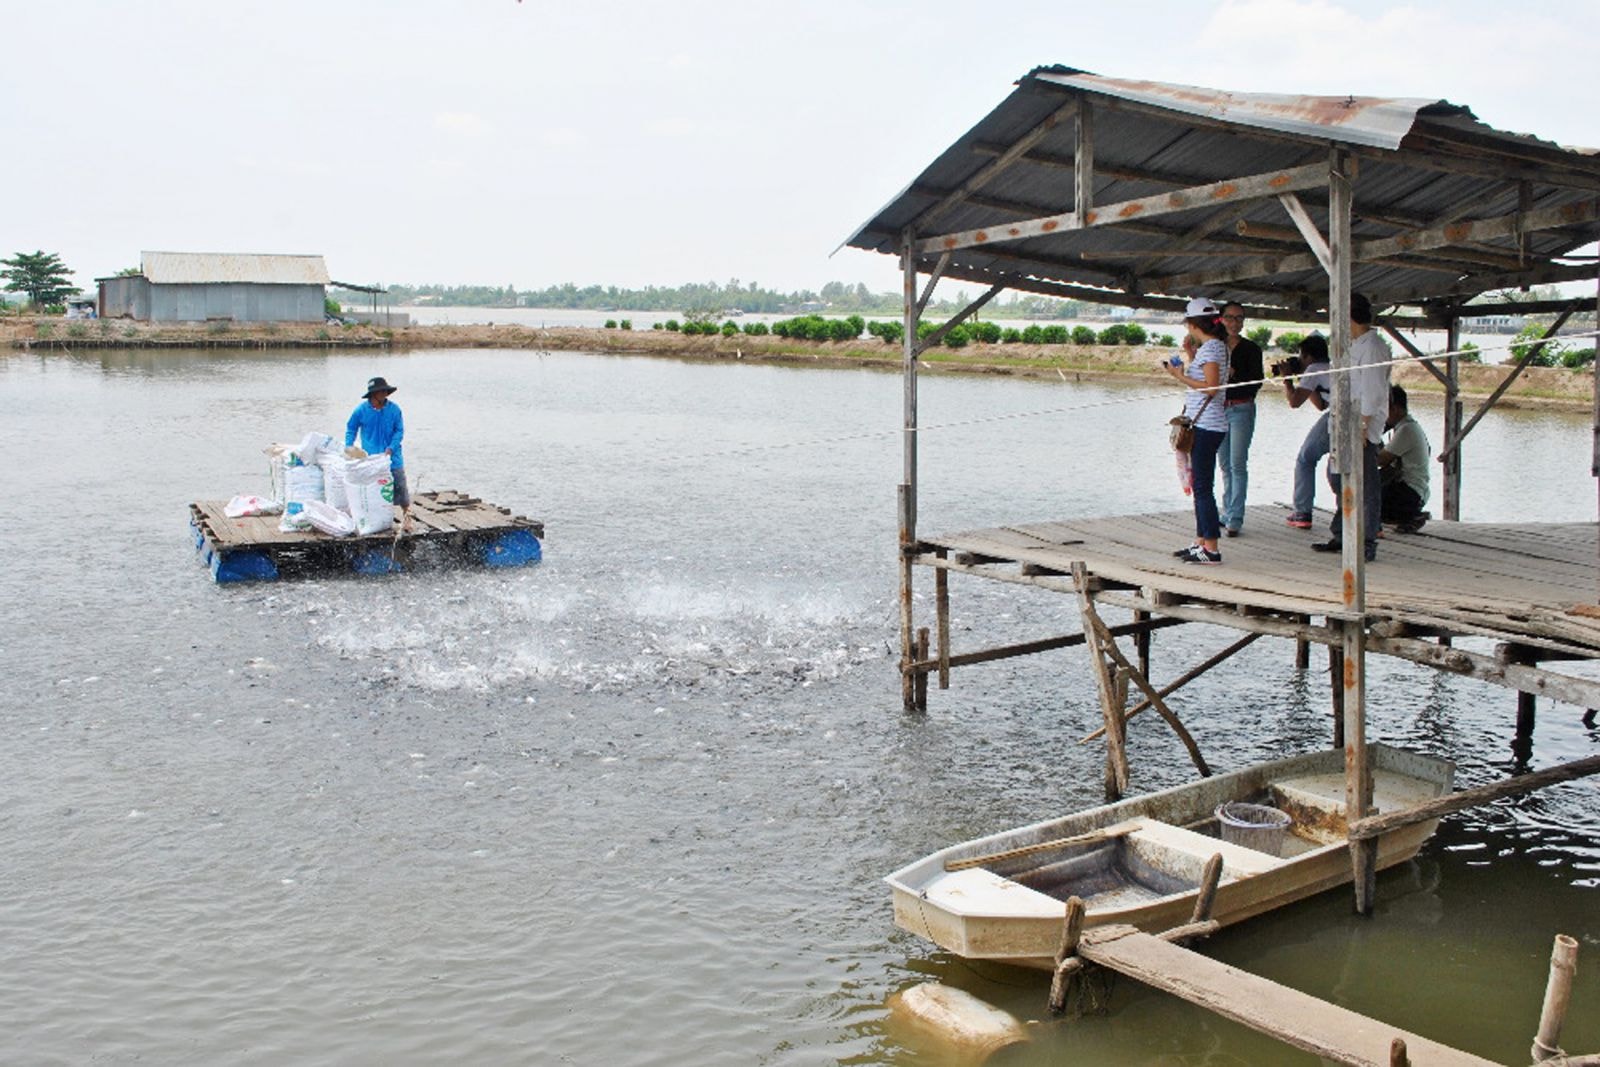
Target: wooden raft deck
(449,527)
(1528,583)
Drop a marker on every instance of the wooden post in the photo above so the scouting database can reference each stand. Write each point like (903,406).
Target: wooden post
(921,684)
(1594,462)
(941,603)
(1522,742)
(1302,647)
(1350,448)
(1083,161)
(1206,899)
(1398,1056)
(1067,963)
(908,481)
(1557,992)
(1141,643)
(1116,782)
(1450,491)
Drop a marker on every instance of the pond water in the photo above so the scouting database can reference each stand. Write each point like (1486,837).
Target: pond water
(633,805)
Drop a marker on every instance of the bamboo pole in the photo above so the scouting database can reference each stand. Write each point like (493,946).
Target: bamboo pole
(941,603)
(1557,993)
(907,498)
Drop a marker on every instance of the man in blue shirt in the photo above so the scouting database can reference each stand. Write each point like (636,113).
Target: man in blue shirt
(382,429)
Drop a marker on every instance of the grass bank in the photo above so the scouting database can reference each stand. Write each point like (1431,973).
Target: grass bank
(1537,387)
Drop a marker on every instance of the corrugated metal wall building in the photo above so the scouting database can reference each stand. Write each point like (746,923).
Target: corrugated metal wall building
(204,286)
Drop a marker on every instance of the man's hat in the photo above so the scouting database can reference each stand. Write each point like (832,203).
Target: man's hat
(377,385)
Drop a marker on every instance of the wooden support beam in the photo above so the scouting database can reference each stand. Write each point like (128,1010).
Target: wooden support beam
(993,168)
(1269,625)
(933,339)
(933,279)
(1178,683)
(1071,932)
(1557,994)
(1451,445)
(1374,826)
(1213,194)
(1473,284)
(1579,214)
(1108,647)
(1116,777)
(1416,353)
(1049,644)
(1583,692)
(1083,161)
(1308,230)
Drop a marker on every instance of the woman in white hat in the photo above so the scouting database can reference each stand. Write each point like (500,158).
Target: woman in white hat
(1203,376)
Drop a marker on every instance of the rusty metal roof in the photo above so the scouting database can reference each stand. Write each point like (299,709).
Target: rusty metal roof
(189,268)
(1421,164)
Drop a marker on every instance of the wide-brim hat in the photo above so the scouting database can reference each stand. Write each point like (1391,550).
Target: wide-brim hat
(378,385)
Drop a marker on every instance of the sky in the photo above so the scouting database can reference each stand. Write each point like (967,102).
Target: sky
(531,143)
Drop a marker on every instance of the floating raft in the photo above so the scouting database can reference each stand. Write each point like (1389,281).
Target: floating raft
(449,529)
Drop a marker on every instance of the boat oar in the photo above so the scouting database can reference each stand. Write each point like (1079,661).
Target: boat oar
(1094,837)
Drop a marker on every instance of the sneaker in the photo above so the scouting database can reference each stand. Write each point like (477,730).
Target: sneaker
(1333,545)
(1202,555)
(1233,531)
(1411,525)
(1300,520)
(1185,550)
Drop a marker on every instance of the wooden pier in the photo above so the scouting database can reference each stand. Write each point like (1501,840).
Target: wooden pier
(449,529)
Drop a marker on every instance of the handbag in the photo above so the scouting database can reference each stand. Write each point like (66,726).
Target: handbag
(1181,432)
(1181,429)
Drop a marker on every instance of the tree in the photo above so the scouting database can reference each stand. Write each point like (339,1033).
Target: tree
(40,274)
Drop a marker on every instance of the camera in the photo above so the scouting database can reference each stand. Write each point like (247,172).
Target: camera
(1288,368)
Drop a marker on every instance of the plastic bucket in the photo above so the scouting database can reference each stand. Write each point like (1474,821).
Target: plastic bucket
(1254,826)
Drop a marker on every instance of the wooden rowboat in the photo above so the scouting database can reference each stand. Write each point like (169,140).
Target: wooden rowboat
(1140,861)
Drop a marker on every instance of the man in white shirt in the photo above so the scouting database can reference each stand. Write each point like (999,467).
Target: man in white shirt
(1369,382)
(1404,462)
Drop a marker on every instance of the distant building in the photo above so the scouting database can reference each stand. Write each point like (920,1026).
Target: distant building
(1493,323)
(207,286)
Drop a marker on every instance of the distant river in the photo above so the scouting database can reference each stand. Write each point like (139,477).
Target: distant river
(633,806)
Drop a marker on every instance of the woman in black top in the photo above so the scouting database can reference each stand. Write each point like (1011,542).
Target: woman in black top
(1244,365)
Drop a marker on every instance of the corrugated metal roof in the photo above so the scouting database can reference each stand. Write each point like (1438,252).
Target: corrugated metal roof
(189,268)
(1422,164)
(1367,120)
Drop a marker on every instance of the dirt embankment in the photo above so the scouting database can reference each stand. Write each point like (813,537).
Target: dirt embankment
(1535,387)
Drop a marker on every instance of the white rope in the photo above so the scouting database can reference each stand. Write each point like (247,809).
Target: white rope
(1112,402)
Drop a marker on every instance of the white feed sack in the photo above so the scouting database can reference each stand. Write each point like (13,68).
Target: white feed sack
(334,491)
(329,519)
(370,486)
(301,484)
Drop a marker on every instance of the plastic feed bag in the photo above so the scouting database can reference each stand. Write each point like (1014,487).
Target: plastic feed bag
(370,487)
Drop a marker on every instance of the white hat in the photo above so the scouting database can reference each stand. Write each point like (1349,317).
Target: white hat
(1200,307)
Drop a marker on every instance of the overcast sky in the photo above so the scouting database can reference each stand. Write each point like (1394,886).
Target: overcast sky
(637,143)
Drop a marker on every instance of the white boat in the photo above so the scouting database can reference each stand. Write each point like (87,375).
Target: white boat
(1140,861)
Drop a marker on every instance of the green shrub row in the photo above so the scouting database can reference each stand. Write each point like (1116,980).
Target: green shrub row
(625,324)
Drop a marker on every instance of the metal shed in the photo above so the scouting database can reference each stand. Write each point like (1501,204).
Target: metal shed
(1141,194)
(210,286)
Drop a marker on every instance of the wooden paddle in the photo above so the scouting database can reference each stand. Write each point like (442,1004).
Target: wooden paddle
(1094,837)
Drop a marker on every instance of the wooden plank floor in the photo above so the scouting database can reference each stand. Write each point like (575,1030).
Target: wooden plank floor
(445,513)
(1499,580)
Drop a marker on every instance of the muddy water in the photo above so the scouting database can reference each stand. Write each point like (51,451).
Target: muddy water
(632,806)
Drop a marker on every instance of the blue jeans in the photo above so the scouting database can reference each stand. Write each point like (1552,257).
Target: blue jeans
(1312,449)
(1371,497)
(1203,463)
(1235,458)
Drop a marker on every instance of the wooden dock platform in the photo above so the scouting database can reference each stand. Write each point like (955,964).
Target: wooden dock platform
(450,529)
(1528,582)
